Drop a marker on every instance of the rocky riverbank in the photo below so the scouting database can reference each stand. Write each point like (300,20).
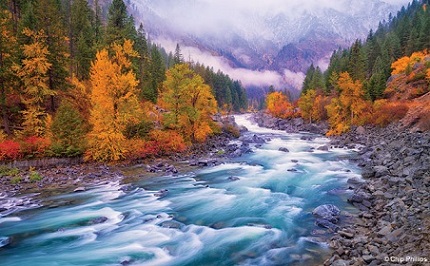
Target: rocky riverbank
(393,225)
(293,125)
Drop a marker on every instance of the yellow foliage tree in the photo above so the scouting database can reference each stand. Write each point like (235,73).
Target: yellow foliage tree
(34,75)
(114,102)
(278,105)
(352,96)
(189,102)
(306,105)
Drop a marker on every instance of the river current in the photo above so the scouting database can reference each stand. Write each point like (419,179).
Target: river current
(252,210)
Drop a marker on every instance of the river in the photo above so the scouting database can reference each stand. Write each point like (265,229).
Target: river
(253,210)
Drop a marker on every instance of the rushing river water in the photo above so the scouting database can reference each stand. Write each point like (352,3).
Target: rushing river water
(253,210)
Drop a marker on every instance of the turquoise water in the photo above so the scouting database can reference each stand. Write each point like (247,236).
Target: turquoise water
(263,218)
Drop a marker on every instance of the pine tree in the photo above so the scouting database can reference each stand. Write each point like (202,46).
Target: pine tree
(155,75)
(47,16)
(81,35)
(120,26)
(178,58)
(8,54)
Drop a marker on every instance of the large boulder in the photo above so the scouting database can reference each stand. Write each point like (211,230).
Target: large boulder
(328,212)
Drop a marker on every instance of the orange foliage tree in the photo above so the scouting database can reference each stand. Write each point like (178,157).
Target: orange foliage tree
(404,64)
(189,102)
(349,108)
(278,105)
(114,102)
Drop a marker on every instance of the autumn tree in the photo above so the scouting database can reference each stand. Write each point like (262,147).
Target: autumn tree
(35,80)
(114,102)
(306,103)
(349,107)
(278,105)
(189,102)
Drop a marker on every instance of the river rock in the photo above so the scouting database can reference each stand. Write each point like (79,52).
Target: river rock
(79,189)
(328,212)
(345,234)
(4,241)
(323,148)
(284,149)
(360,130)
(326,224)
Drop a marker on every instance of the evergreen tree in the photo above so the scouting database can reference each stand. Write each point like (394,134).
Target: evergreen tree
(47,16)
(178,58)
(82,46)
(8,56)
(120,26)
(155,75)
(67,131)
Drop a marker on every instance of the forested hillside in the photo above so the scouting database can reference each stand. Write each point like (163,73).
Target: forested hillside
(76,79)
(376,81)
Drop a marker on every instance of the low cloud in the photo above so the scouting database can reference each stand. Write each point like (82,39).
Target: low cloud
(248,77)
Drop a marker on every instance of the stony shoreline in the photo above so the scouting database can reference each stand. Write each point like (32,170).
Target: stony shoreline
(393,225)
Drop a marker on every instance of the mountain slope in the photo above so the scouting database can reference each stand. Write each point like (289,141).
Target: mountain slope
(270,35)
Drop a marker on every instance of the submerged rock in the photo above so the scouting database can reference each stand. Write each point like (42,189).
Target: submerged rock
(161,193)
(283,149)
(98,220)
(233,178)
(171,224)
(4,241)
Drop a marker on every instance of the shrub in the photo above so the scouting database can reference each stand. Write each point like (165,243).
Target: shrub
(16,179)
(35,147)
(34,175)
(67,132)
(387,112)
(6,171)
(159,143)
(139,130)
(10,150)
